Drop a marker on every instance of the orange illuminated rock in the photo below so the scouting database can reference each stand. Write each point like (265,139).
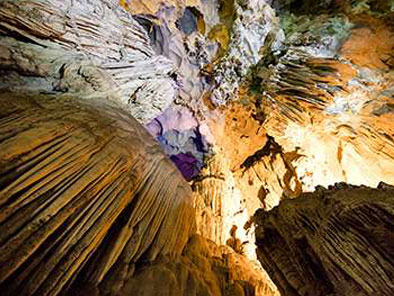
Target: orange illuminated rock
(85,195)
(371,44)
(152,6)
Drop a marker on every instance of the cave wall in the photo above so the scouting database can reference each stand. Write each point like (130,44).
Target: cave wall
(320,85)
(90,48)
(83,196)
(253,101)
(90,203)
(336,241)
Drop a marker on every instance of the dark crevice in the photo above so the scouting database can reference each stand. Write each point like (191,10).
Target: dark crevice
(270,148)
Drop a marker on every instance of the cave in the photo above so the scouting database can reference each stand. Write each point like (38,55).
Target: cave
(197,147)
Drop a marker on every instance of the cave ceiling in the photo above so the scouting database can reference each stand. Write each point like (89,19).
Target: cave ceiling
(275,98)
(254,101)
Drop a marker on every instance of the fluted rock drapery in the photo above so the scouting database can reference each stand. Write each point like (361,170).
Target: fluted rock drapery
(83,187)
(331,242)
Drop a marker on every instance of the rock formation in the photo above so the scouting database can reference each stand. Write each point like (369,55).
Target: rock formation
(337,241)
(82,192)
(254,101)
(90,48)
(91,205)
(320,87)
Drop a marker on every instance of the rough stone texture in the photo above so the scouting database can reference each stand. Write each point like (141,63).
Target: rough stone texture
(320,109)
(90,205)
(152,6)
(74,51)
(324,94)
(204,269)
(83,47)
(255,28)
(83,197)
(331,242)
(325,99)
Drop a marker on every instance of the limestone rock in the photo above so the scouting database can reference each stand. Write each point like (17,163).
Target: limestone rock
(255,28)
(90,205)
(329,104)
(85,195)
(204,269)
(152,6)
(338,241)
(84,47)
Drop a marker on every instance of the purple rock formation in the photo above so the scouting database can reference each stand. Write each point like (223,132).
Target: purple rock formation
(187,164)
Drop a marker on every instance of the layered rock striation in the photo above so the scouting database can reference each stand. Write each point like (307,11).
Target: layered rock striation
(253,101)
(90,205)
(336,241)
(83,197)
(86,48)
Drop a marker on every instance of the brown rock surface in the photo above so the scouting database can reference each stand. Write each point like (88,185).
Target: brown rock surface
(310,114)
(371,44)
(91,206)
(152,6)
(89,202)
(331,242)
(85,194)
(204,269)
(237,135)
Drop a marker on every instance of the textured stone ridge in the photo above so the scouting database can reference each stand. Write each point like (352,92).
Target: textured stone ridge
(203,269)
(331,242)
(90,205)
(89,48)
(83,197)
